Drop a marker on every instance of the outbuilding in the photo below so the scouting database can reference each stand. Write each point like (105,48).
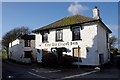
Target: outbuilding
(22,49)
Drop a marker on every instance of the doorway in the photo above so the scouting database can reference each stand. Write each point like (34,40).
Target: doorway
(101,58)
(28,54)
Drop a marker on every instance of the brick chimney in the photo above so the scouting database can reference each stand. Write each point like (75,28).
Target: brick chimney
(96,14)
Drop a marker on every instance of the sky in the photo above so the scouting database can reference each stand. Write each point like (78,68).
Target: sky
(38,14)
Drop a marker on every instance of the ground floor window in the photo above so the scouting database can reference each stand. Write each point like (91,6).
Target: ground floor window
(76,54)
(27,54)
(44,51)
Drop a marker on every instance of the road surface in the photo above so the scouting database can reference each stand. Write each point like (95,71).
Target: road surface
(17,70)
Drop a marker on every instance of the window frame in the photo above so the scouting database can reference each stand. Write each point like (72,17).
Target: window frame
(27,54)
(57,33)
(27,43)
(43,37)
(75,58)
(73,35)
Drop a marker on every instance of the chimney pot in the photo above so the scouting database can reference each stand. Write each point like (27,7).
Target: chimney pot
(96,13)
(96,7)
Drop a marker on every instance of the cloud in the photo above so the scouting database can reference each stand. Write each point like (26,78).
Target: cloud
(76,8)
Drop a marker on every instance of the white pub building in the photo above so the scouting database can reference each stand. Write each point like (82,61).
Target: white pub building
(85,39)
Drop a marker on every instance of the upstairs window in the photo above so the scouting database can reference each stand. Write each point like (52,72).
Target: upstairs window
(45,37)
(59,35)
(76,33)
(27,43)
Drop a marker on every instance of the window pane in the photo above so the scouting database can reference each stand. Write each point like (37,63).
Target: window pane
(59,35)
(45,37)
(27,43)
(76,34)
(27,54)
(76,52)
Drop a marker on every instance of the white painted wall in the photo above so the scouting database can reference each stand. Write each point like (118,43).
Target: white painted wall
(89,40)
(102,47)
(13,50)
(17,49)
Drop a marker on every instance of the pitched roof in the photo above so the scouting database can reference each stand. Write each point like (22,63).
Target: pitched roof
(26,37)
(66,21)
(71,20)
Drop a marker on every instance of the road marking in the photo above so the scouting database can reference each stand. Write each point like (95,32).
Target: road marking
(78,75)
(10,76)
(47,71)
(35,70)
(37,75)
(52,71)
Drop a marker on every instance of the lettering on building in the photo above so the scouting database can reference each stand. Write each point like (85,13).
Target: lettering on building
(60,44)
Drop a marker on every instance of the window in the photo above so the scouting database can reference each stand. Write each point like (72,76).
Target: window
(44,52)
(45,37)
(59,35)
(27,43)
(76,54)
(27,54)
(76,33)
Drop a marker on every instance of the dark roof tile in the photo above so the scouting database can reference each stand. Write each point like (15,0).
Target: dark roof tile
(66,21)
(71,20)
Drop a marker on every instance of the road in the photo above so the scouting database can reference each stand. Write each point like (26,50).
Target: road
(16,70)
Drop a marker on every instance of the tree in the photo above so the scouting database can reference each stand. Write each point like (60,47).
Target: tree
(12,35)
(112,41)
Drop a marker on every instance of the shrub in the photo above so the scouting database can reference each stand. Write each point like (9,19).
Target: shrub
(4,54)
(66,60)
(49,59)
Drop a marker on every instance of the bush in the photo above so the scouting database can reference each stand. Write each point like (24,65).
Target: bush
(66,60)
(52,60)
(49,59)
(4,54)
